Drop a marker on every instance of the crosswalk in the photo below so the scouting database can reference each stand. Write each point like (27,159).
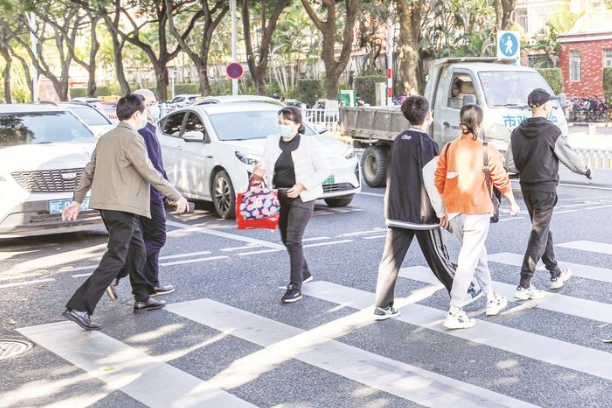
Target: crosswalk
(154,381)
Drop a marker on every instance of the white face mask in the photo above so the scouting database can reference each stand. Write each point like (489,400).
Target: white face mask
(154,113)
(285,130)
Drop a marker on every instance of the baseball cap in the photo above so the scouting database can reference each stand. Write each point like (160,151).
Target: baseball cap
(539,97)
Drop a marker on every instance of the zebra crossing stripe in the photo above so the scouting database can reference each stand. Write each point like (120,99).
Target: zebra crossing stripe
(583,271)
(555,302)
(316,347)
(142,377)
(534,346)
(589,246)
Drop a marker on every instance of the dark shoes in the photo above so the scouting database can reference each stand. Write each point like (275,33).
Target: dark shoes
(163,290)
(82,319)
(150,304)
(292,295)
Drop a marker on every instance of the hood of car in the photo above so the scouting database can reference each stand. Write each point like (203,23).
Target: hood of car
(45,156)
(333,148)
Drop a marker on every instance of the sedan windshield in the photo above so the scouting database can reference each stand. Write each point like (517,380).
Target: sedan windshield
(247,125)
(506,88)
(42,127)
(88,115)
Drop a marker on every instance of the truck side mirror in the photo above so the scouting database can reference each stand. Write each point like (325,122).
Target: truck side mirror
(469,100)
(562,99)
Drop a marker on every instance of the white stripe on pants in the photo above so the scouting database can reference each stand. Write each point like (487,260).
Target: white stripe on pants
(471,230)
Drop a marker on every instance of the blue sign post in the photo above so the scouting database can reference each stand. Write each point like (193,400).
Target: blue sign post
(509,45)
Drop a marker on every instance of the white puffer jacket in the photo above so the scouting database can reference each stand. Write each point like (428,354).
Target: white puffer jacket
(311,165)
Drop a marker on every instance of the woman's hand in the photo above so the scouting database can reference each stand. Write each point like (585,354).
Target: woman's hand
(514,209)
(295,191)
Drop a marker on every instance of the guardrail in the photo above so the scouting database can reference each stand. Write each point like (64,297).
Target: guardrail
(327,117)
(597,159)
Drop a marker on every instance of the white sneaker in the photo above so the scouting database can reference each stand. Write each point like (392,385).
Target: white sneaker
(384,313)
(531,293)
(307,280)
(459,320)
(557,283)
(494,306)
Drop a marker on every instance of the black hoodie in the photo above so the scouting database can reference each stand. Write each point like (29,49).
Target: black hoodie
(536,147)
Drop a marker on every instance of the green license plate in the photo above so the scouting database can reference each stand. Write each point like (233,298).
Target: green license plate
(329,180)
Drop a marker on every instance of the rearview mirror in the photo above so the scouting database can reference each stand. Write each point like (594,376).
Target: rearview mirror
(193,136)
(562,99)
(469,100)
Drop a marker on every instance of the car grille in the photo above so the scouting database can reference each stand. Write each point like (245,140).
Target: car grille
(331,188)
(48,181)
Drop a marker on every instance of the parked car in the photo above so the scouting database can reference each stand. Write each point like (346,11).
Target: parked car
(43,151)
(92,117)
(182,100)
(239,99)
(210,152)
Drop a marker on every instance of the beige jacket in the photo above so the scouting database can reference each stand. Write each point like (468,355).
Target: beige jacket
(120,174)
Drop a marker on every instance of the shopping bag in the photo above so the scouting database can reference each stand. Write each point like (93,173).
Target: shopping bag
(258,207)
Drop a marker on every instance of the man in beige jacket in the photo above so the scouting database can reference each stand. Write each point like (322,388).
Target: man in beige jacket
(119,175)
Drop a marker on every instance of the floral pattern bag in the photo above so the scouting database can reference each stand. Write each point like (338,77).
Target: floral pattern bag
(258,207)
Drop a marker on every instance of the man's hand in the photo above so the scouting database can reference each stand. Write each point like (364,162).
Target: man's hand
(181,205)
(444,223)
(71,212)
(515,209)
(295,191)
(589,174)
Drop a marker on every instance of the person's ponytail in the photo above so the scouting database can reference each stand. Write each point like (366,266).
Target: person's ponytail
(471,118)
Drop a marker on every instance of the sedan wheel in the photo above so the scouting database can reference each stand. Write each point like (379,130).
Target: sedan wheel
(224,197)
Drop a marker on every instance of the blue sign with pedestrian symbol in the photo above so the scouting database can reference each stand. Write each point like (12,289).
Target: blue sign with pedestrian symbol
(508,45)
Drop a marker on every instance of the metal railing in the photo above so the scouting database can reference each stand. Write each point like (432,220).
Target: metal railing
(597,159)
(326,117)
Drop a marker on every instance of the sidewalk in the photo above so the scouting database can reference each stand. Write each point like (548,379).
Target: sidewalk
(580,138)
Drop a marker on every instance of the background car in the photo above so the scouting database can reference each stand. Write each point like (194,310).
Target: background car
(43,151)
(239,99)
(92,117)
(210,152)
(184,100)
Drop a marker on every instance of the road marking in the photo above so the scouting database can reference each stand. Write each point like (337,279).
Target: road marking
(32,282)
(185,255)
(82,275)
(598,208)
(18,276)
(372,194)
(315,239)
(511,219)
(263,251)
(320,244)
(208,231)
(530,345)
(240,248)
(146,379)
(555,302)
(589,246)
(583,271)
(376,237)
(317,348)
(366,232)
(187,261)
(585,187)
(565,212)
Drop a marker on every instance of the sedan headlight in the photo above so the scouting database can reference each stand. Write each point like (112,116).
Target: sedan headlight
(349,153)
(246,158)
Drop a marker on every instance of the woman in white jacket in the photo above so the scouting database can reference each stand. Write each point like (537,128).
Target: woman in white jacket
(296,165)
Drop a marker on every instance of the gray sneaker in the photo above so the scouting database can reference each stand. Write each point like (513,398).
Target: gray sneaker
(384,313)
(559,281)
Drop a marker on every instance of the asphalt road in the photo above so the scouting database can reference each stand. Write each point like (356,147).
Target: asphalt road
(225,340)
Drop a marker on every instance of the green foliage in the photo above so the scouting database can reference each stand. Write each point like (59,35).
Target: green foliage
(309,91)
(186,89)
(554,77)
(365,87)
(78,93)
(607,82)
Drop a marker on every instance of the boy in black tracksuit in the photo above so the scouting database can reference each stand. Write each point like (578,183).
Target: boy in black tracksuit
(413,208)
(535,149)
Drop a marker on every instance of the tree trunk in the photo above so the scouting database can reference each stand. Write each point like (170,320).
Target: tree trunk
(119,69)
(162,80)
(411,16)
(4,51)
(26,71)
(507,18)
(203,80)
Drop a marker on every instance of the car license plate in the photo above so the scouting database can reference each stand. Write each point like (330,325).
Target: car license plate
(329,180)
(57,206)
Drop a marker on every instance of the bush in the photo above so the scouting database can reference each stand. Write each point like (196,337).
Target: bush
(607,82)
(554,77)
(309,91)
(186,89)
(365,87)
(78,93)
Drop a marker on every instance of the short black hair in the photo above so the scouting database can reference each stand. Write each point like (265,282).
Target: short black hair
(293,114)
(130,104)
(415,109)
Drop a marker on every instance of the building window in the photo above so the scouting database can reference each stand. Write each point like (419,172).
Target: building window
(607,58)
(521,19)
(574,68)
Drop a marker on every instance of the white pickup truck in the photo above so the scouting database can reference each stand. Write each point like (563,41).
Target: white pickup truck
(499,87)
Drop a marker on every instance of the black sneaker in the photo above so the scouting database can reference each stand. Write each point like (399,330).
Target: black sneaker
(82,319)
(163,290)
(292,295)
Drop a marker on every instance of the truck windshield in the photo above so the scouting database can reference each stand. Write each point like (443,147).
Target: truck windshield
(510,89)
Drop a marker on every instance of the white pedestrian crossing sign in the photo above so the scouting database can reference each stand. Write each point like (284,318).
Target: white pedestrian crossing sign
(509,45)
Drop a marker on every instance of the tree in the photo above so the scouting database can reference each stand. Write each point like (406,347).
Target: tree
(411,19)
(334,67)
(211,14)
(504,13)
(270,13)
(6,54)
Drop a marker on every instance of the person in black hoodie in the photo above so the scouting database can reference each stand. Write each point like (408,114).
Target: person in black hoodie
(414,208)
(536,148)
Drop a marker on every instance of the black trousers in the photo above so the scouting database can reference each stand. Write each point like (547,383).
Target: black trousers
(294,217)
(540,205)
(124,242)
(397,245)
(154,236)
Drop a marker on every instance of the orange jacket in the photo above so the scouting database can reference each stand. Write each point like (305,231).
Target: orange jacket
(460,178)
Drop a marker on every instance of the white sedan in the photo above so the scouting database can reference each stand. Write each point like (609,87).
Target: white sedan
(210,151)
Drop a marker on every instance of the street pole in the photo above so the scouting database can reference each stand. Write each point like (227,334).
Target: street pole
(234,44)
(31,17)
(172,81)
(390,35)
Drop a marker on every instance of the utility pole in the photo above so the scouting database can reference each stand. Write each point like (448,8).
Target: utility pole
(31,18)
(390,35)
(234,43)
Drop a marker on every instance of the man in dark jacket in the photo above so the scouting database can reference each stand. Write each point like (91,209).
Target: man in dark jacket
(413,208)
(536,148)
